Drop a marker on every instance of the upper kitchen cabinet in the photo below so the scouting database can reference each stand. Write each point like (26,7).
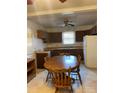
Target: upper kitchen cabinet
(42,35)
(55,37)
(80,34)
(94,30)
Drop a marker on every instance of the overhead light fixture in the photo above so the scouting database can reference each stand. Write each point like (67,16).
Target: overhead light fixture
(62,1)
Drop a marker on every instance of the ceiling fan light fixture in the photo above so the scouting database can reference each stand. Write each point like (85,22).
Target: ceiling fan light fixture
(62,1)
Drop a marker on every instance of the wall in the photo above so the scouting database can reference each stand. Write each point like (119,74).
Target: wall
(33,43)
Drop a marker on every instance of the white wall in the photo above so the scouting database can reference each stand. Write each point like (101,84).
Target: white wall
(35,44)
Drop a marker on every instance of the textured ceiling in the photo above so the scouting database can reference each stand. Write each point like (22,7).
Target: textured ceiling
(57,20)
(50,13)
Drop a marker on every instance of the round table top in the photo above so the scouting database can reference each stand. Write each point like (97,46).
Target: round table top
(61,62)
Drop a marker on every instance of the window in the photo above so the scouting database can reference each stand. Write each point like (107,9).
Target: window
(68,37)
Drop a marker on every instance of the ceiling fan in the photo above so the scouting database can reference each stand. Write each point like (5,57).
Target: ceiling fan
(67,23)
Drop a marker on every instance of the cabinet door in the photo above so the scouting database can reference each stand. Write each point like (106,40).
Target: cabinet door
(40,59)
(31,69)
(40,34)
(55,37)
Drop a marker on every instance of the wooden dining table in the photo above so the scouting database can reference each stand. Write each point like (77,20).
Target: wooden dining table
(62,62)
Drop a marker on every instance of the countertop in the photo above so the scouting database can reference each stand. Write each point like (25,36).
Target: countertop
(61,48)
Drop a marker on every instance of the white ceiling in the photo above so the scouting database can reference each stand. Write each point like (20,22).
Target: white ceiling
(57,20)
(50,13)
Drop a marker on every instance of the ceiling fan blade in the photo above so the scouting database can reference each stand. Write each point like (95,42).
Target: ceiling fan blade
(71,24)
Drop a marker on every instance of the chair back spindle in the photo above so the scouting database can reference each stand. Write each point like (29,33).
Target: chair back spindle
(62,78)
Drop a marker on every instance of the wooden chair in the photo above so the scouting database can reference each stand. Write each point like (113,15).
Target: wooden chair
(77,70)
(49,75)
(62,79)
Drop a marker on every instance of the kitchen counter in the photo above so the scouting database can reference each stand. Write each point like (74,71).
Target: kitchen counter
(71,50)
(61,48)
(42,51)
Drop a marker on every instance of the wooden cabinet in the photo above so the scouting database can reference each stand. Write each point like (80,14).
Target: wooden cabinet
(72,51)
(81,34)
(42,35)
(31,69)
(55,37)
(94,30)
(40,59)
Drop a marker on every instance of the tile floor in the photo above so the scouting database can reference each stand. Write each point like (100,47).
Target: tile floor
(89,80)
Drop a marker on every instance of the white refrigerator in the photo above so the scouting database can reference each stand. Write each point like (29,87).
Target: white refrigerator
(90,51)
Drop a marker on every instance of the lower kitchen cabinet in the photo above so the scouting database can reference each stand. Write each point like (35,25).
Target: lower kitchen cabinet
(31,69)
(72,51)
(40,59)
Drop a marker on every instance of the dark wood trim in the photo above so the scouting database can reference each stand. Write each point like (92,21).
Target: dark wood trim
(31,69)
